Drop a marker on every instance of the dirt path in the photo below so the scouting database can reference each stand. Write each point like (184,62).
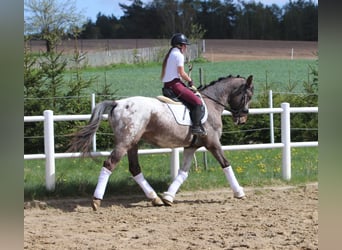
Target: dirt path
(270,218)
(232,50)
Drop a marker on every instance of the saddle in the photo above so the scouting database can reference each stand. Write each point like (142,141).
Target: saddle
(170,95)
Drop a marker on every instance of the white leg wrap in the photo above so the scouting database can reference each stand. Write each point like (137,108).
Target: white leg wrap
(102,183)
(228,171)
(148,190)
(177,182)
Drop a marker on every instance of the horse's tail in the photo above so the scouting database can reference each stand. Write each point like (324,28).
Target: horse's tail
(82,139)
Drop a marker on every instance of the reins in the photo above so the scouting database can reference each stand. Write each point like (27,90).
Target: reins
(216,101)
(190,66)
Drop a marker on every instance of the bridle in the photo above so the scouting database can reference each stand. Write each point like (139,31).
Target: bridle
(241,109)
(236,112)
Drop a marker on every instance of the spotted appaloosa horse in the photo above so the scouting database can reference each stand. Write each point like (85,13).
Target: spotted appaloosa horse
(143,118)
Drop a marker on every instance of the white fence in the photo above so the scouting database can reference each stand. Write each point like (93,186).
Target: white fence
(49,146)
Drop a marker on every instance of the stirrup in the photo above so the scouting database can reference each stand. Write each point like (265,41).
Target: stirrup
(197,130)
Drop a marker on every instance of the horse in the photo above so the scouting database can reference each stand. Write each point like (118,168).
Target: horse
(139,118)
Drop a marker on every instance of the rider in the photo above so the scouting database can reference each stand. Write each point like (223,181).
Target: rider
(172,75)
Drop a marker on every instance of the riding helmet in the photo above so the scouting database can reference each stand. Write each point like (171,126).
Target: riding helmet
(179,38)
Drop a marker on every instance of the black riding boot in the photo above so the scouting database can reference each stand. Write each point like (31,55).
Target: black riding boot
(195,114)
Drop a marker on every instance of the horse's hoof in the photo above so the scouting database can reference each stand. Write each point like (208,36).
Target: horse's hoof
(240,194)
(157,202)
(167,203)
(167,199)
(95,204)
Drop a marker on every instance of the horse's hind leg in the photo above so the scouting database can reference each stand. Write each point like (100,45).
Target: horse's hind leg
(138,176)
(107,169)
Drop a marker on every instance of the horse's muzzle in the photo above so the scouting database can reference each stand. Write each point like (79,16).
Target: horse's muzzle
(240,120)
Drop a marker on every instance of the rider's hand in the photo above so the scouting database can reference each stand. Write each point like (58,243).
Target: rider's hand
(190,83)
(193,88)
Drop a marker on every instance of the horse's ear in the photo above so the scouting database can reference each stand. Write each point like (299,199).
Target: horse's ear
(249,83)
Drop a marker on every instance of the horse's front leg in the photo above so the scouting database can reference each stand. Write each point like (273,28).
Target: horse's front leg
(169,196)
(138,176)
(228,171)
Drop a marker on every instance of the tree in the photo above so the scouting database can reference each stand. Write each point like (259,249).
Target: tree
(133,19)
(300,21)
(187,15)
(49,20)
(90,30)
(217,18)
(241,19)
(256,21)
(107,25)
(168,13)
(46,86)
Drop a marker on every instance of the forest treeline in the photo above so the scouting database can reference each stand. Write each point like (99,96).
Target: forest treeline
(216,19)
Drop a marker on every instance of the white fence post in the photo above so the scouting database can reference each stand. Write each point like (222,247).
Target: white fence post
(174,162)
(286,140)
(270,100)
(49,147)
(93,103)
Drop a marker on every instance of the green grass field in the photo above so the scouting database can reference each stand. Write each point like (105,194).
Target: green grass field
(144,79)
(78,177)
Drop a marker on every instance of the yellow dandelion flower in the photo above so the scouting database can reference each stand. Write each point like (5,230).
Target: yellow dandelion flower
(239,170)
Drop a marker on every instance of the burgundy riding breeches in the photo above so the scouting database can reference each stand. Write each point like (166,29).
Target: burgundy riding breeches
(183,93)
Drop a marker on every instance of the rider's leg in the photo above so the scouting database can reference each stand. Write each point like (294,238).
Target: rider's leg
(195,114)
(195,105)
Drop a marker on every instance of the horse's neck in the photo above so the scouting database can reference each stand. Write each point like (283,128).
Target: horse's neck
(218,95)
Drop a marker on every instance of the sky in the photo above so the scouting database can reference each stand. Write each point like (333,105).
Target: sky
(91,8)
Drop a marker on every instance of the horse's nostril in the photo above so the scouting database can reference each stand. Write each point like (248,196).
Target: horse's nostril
(245,110)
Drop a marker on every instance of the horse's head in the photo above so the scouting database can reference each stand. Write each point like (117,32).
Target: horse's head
(239,101)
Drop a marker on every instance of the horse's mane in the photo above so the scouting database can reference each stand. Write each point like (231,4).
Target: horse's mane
(202,87)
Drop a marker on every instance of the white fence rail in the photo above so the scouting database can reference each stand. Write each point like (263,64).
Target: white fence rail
(49,146)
